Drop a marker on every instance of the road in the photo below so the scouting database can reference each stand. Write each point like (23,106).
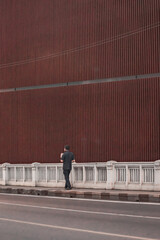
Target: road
(49,218)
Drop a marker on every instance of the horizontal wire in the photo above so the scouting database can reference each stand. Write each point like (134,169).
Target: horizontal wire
(84,47)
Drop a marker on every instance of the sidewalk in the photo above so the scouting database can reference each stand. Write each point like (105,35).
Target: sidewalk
(117,195)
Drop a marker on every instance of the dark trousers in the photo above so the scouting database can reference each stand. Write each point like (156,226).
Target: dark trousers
(66,175)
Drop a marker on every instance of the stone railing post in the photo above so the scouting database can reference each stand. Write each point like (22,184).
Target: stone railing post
(111,174)
(34,173)
(84,174)
(95,174)
(5,173)
(72,180)
(157,174)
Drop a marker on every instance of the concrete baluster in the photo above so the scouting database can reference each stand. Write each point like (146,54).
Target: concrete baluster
(5,173)
(157,175)
(34,173)
(111,174)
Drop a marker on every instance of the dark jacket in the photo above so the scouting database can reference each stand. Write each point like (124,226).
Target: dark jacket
(67,158)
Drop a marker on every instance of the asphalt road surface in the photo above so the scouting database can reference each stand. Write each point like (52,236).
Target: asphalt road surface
(49,218)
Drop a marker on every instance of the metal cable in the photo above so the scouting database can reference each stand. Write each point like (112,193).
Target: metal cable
(84,47)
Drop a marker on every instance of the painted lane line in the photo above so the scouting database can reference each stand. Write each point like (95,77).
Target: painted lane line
(81,211)
(81,199)
(75,229)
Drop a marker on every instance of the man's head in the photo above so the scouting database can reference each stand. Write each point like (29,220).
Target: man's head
(66,148)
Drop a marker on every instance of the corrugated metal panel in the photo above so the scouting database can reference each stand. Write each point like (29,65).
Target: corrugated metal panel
(8,127)
(76,40)
(118,121)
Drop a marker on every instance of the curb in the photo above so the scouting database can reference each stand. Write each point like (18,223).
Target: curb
(119,196)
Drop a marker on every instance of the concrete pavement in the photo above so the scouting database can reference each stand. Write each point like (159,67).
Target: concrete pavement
(118,195)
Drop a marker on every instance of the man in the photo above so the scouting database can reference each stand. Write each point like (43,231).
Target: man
(67,158)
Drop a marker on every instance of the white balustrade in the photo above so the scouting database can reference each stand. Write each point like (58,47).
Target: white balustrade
(102,174)
(120,174)
(19,174)
(90,174)
(60,174)
(148,175)
(109,175)
(78,171)
(1,173)
(27,174)
(134,175)
(42,173)
(51,173)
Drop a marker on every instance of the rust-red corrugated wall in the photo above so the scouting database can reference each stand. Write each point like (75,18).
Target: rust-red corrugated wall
(54,41)
(60,41)
(118,121)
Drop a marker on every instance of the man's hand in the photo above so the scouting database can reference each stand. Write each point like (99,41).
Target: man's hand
(61,157)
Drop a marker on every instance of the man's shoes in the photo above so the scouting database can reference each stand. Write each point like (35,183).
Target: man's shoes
(68,188)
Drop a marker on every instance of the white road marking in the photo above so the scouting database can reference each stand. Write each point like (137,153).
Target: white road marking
(82,199)
(81,211)
(76,229)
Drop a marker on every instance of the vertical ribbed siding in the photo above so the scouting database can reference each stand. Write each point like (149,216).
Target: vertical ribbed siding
(102,39)
(118,121)
(8,127)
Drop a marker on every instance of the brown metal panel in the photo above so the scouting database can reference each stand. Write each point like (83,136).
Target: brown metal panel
(8,128)
(76,40)
(108,121)
(24,126)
